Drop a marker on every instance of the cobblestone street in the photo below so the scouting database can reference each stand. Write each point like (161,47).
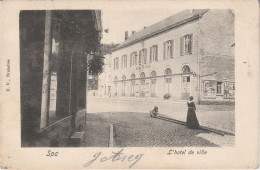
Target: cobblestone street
(215,116)
(140,130)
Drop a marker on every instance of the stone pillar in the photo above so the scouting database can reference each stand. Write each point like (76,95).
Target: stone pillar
(46,71)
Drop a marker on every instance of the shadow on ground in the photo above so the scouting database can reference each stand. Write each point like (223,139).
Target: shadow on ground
(140,130)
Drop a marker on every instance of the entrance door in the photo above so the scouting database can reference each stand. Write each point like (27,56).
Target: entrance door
(186,82)
(185,87)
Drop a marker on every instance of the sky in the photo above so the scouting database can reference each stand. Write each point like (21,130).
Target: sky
(119,21)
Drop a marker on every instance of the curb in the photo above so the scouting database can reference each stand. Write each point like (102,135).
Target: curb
(143,100)
(55,123)
(217,131)
(111,136)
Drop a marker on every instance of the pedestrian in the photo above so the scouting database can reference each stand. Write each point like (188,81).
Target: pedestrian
(192,121)
(154,112)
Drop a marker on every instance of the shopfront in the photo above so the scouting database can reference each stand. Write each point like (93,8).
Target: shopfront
(218,90)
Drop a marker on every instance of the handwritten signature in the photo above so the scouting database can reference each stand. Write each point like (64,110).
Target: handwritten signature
(116,156)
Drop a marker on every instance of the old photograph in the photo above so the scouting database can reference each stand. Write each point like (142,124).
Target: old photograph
(92,78)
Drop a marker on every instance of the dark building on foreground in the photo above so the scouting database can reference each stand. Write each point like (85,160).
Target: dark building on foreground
(54,46)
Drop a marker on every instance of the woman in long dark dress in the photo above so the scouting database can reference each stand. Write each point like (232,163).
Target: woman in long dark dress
(192,121)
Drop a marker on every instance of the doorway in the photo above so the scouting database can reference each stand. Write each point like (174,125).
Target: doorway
(185,87)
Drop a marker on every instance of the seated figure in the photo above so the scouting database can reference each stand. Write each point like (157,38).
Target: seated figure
(154,112)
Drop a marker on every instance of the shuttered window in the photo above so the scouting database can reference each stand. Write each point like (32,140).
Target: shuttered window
(168,49)
(116,63)
(186,44)
(151,54)
(154,53)
(133,59)
(124,61)
(164,50)
(140,57)
(143,56)
(181,46)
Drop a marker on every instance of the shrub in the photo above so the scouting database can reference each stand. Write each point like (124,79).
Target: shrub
(167,96)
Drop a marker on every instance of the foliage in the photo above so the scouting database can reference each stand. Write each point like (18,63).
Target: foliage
(167,96)
(108,48)
(95,65)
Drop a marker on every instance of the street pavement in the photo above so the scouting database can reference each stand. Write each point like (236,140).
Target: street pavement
(220,117)
(133,127)
(140,130)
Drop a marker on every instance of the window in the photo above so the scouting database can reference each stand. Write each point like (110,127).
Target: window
(123,85)
(124,61)
(185,69)
(219,88)
(186,78)
(133,59)
(142,56)
(168,71)
(154,53)
(116,63)
(168,80)
(168,49)
(133,85)
(186,44)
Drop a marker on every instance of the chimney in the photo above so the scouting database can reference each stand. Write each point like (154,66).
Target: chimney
(133,32)
(126,35)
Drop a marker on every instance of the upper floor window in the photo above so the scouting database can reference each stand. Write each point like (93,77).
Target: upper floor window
(154,53)
(168,49)
(142,56)
(116,63)
(124,61)
(133,59)
(186,44)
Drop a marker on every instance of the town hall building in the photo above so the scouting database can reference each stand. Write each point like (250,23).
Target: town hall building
(188,54)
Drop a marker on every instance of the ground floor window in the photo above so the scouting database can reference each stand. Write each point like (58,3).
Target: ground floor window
(109,91)
(209,88)
(132,88)
(123,88)
(186,79)
(229,90)
(142,88)
(219,88)
(168,82)
(153,87)
(115,89)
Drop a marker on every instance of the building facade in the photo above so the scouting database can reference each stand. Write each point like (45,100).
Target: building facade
(188,54)
(105,79)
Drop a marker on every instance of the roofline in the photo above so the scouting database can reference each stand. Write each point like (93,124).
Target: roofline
(160,31)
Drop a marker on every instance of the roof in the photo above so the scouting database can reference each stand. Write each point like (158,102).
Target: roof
(164,25)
